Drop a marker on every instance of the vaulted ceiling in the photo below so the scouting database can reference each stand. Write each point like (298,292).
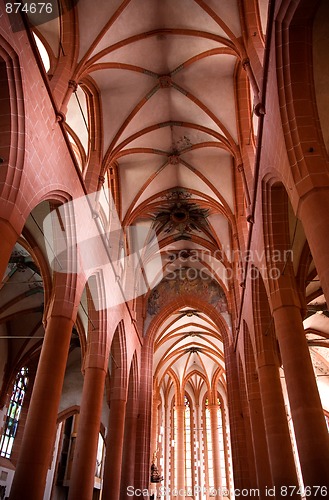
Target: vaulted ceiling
(162,103)
(163,74)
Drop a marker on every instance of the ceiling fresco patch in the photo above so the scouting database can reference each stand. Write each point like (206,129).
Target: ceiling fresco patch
(187,281)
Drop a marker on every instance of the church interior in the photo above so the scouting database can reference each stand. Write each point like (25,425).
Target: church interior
(164,249)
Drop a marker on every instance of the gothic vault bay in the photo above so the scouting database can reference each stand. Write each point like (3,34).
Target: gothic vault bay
(164,249)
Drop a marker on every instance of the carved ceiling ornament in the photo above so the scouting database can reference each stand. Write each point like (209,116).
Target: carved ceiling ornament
(180,216)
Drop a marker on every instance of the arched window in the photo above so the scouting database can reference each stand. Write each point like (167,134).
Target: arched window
(43,53)
(77,125)
(14,412)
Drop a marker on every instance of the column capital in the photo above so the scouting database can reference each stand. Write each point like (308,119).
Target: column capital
(315,186)
(118,398)
(313,190)
(284,296)
(180,407)
(280,304)
(57,317)
(93,366)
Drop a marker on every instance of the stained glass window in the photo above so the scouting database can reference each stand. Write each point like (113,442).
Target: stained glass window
(14,413)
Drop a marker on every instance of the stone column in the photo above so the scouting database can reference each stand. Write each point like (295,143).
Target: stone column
(128,465)
(238,435)
(84,461)
(8,240)
(263,471)
(40,428)
(213,409)
(248,430)
(143,433)
(180,450)
(198,448)
(155,422)
(276,425)
(314,214)
(114,450)
(305,404)
(227,451)
(166,446)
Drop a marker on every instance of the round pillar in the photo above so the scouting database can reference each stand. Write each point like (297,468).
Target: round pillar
(263,471)
(305,404)
(238,435)
(128,463)
(85,454)
(114,450)
(314,214)
(180,450)
(40,428)
(8,240)
(277,431)
(213,409)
